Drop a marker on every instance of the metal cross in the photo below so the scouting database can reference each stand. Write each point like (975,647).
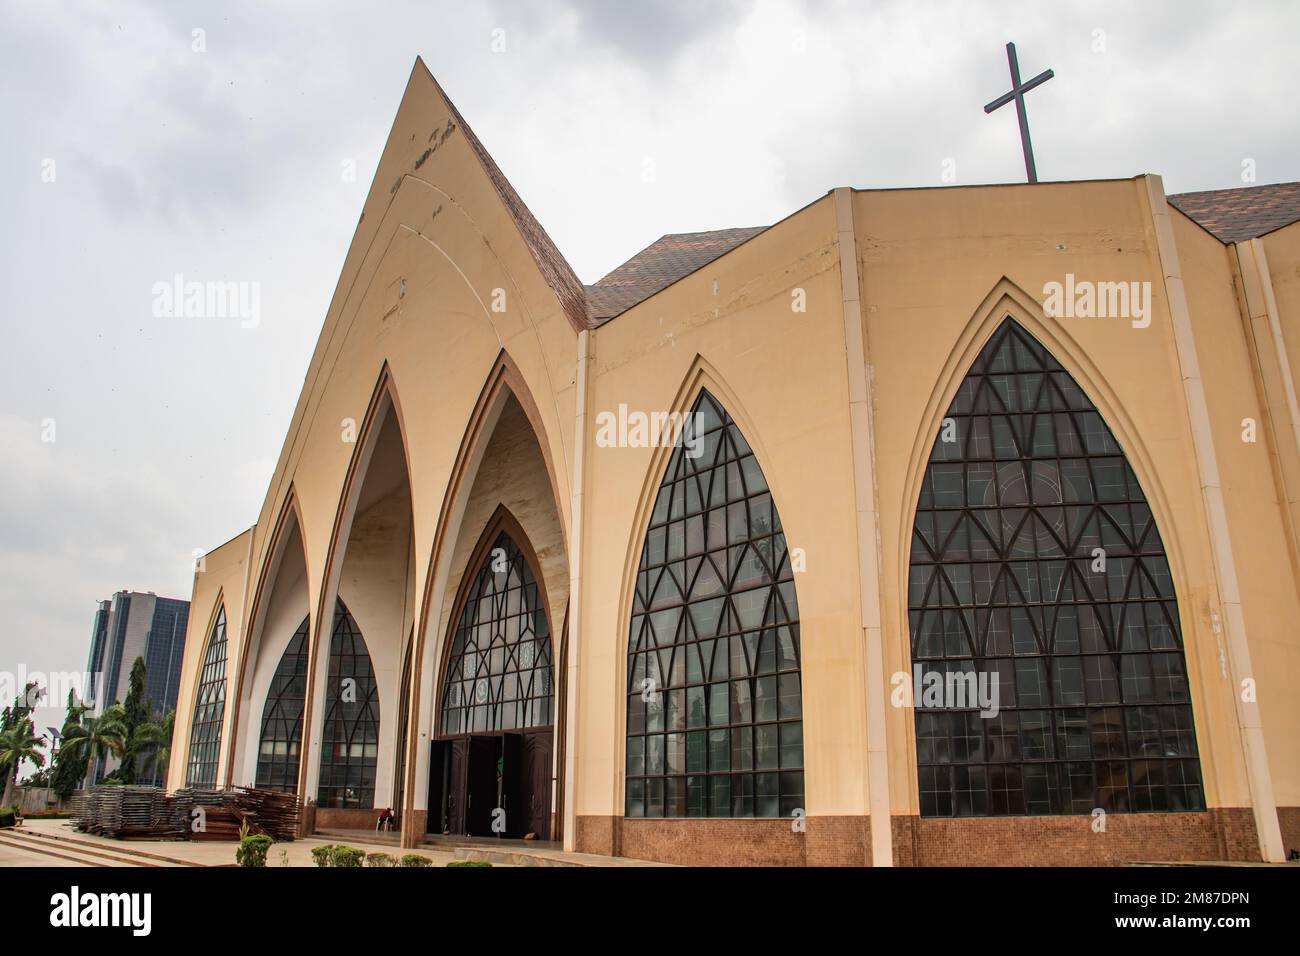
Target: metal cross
(1018,91)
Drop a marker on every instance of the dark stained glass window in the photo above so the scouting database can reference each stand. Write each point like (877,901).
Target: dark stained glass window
(499,671)
(714,712)
(278,750)
(209,709)
(1036,560)
(350,737)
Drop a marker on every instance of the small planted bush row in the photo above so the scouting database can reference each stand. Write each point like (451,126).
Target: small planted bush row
(340,855)
(9,817)
(252,850)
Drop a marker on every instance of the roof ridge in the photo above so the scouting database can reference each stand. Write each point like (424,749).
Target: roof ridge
(555,269)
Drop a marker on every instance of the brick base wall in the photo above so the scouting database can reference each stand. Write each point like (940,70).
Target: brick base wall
(825,841)
(1225,834)
(1221,834)
(331,818)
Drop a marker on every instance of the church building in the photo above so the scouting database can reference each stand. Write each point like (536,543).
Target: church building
(930,526)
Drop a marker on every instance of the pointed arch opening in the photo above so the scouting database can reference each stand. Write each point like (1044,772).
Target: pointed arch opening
(280,741)
(209,709)
(493,753)
(714,701)
(350,735)
(269,693)
(1048,668)
(502,510)
(368,596)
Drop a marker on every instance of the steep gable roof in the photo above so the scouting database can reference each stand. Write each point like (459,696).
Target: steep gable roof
(554,267)
(1247,212)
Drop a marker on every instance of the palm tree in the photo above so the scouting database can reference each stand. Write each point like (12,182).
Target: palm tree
(154,740)
(17,744)
(102,737)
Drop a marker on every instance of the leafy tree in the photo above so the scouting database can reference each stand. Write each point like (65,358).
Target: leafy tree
(153,741)
(18,742)
(99,737)
(18,739)
(69,768)
(22,706)
(136,712)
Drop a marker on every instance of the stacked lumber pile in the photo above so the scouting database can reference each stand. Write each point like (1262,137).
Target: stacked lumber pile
(275,813)
(150,813)
(126,813)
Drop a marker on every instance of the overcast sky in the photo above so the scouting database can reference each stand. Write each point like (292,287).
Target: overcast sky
(225,164)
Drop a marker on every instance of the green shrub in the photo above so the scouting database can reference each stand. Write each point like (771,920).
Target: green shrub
(347,856)
(414,859)
(469,863)
(7,817)
(252,850)
(380,859)
(323,855)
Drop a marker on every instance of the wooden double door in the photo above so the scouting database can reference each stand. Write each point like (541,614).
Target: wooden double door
(494,784)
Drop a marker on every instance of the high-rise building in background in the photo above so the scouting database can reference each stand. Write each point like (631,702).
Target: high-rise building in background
(134,625)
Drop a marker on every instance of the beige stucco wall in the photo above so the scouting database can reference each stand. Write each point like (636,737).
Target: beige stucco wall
(1271,572)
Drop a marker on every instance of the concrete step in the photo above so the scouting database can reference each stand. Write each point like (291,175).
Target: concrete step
(120,850)
(385,837)
(66,854)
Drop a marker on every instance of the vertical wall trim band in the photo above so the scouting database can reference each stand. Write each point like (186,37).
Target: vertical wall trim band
(575,596)
(867,506)
(1249,723)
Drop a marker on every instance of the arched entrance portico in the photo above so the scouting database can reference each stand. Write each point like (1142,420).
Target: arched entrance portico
(492,754)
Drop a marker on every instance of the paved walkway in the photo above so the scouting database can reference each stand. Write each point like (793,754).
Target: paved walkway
(59,844)
(58,836)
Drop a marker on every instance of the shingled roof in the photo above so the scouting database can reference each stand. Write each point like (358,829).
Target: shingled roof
(1247,212)
(658,266)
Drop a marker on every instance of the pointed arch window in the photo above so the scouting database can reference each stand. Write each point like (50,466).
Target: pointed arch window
(1036,561)
(209,709)
(278,747)
(714,712)
(499,671)
(350,737)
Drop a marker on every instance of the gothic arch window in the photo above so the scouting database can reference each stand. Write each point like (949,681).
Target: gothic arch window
(499,670)
(209,709)
(714,707)
(1036,560)
(277,752)
(350,738)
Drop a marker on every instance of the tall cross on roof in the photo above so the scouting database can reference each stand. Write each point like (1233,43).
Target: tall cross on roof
(1018,91)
